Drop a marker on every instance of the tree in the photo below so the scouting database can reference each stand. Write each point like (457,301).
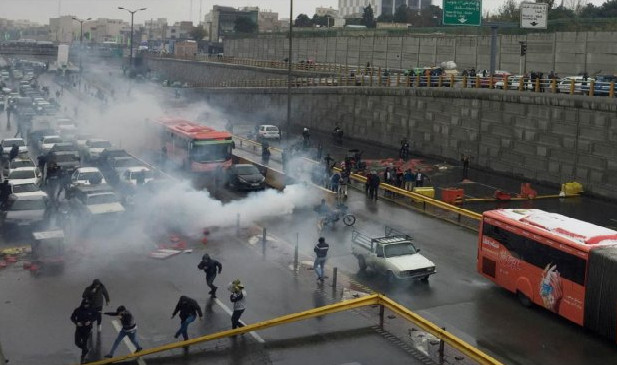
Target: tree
(368,17)
(401,15)
(561,12)
(303,21)
(576,6)
(385,18)
(507,12)
(245,24)
(198,33)
(551,3)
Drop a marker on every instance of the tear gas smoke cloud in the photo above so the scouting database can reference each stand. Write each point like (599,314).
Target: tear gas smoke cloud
(124,122)
(182,208)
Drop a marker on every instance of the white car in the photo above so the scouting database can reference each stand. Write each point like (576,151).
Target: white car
(47,142)
(564,85)
(269,131)
(81,140)
(87,176)
(25,175)
(94,147)
(135,175)
(65,124)
(514,83)
(25,209)
(18,187)
(16,163)
(8,143)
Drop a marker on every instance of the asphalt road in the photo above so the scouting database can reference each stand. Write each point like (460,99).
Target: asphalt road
(456,297)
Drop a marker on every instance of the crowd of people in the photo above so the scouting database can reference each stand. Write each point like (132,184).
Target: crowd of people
(96,296)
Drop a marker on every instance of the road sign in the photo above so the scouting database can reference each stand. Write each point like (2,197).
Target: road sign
(462,12)
(534,15)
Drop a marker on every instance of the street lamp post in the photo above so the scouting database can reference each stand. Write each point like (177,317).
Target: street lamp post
(131,45)
(81,38)
(291,7)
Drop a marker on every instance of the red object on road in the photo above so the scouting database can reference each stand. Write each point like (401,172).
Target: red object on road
(502,195)
(452,195)
(27,265)
(527,191)
(10,259)
(2,264)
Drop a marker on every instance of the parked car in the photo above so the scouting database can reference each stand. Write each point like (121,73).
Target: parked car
(16,163)
(25,174)
(47,142)
(268,131)
(393,255)
(24,210)
(68,161)
(96,203)
(8,143)
(601,86)
(245,177)
(514,83)
(87,176)
(137,175)
(565,84)
(93,148)
(23,187)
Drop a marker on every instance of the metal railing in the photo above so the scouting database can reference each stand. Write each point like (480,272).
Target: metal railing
(551,86)
(383,302)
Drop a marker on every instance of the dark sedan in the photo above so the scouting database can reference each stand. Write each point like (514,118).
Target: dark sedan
(245,177)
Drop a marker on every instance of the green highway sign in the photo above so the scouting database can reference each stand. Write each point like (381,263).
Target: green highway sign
(462,12)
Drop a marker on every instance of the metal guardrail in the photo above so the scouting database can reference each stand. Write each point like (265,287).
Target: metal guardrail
(370,300)
(348,75)
(549,86)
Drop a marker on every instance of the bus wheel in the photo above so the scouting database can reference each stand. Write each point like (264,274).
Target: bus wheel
(523,299)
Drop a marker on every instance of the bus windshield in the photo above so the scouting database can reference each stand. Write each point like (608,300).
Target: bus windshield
(211,152)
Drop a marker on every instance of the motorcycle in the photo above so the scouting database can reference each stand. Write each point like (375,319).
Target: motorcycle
(335,215)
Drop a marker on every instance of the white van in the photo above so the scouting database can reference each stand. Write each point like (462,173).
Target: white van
(268,131)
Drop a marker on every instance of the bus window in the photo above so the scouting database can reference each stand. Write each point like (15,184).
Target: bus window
(208,151)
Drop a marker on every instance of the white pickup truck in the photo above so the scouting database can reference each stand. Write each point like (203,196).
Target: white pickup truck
(393,255)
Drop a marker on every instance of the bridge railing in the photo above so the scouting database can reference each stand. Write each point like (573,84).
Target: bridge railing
(350,75)
(553,86)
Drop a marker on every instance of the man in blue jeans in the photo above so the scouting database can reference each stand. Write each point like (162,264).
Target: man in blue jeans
(321,250)
(188,309)
(129,328)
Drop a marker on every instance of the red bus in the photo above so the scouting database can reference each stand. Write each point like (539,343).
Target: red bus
(195,147)
(563,264)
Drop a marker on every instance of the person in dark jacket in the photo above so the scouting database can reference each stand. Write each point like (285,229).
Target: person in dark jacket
(189,309)
(5,191)
(210,266)
(373,185)
(83,317)
(95,293)
(321,251)
(14,152)
(265,153)
(129,328)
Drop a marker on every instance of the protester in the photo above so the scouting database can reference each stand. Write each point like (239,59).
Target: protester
(129,328)
(83,317)
(210,266)
(189,309)
(321,251)
(95,294)
(238,298)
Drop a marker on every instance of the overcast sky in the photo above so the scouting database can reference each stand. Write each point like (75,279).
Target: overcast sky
(174,10)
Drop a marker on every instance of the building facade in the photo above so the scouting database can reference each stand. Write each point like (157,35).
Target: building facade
(221,20)
(355,8)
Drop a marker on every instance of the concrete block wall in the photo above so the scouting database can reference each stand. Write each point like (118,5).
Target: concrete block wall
(565,52)
(543,137)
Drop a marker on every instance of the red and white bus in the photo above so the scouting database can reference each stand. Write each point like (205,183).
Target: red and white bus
(195,147)
(566,265)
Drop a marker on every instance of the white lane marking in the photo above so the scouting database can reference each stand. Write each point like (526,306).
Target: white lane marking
(127,342)
(255,335)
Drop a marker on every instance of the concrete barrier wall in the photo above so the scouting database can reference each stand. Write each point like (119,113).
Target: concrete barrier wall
(565,52)
(542,137)
(196,72)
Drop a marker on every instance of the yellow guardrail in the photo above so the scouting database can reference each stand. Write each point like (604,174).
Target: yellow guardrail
(370,300)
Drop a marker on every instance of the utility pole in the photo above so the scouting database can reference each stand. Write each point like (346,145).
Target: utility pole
(81,44)
(291,7)
(131,45)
